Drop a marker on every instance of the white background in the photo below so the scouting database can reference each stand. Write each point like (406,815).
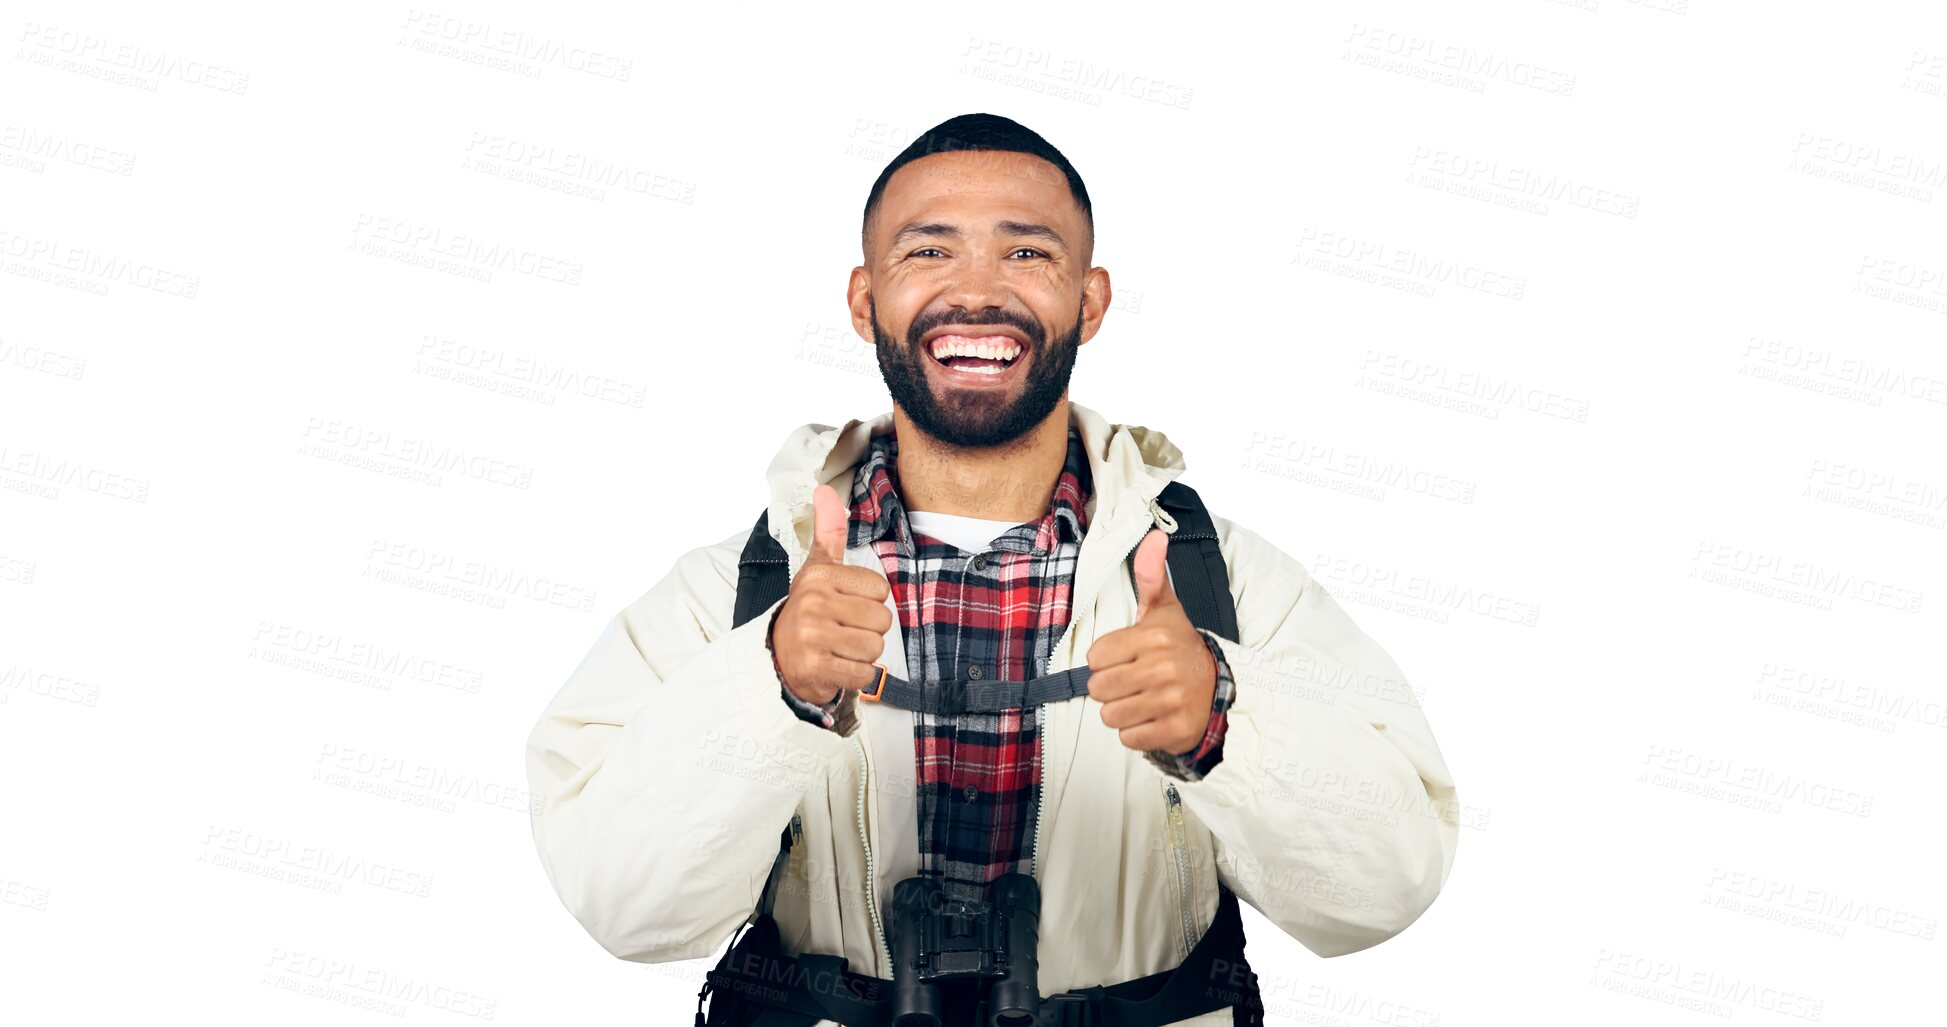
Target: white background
(1589,353)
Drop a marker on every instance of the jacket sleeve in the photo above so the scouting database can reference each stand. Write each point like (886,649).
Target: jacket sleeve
(1332,810)
(667,768)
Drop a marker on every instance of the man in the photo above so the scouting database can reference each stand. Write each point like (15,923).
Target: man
(982,529)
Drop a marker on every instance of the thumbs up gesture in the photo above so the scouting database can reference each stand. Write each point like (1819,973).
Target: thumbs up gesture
(833,623)
(1155,678)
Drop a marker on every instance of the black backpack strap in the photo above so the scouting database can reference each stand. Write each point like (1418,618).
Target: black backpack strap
(1196,564)
(763,577)
(763,573)
(1202,585)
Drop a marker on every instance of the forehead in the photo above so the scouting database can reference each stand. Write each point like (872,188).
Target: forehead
(973,182)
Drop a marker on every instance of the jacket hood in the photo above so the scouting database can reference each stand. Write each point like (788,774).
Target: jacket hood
(1128,463)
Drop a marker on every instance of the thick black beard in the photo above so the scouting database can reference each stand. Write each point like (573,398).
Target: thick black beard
(975,420)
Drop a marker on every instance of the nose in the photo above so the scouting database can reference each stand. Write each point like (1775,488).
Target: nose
(976,286)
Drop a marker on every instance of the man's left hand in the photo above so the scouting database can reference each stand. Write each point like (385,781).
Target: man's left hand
(1155,678)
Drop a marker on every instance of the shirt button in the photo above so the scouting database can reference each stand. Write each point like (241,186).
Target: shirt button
(970,792)
(980,562)
(973,672)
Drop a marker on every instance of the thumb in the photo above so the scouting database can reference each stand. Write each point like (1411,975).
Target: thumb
(829,516)
(1153,591)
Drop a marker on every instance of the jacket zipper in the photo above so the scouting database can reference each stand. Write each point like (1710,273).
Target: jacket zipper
(1177,844)
(871,873)
(1158,517)
(1179,841)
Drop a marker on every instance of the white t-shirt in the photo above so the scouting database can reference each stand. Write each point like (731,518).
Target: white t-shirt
(972,534)
(894,761)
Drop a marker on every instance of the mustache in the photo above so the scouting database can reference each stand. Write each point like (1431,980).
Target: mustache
(991,316)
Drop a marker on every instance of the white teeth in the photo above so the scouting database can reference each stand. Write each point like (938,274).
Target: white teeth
(957,346)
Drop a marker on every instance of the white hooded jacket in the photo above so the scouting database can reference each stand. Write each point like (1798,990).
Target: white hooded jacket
(668,763)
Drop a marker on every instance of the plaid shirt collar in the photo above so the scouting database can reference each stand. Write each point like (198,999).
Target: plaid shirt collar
(879,512)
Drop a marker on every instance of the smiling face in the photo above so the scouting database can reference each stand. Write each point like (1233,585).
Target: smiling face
(977,292)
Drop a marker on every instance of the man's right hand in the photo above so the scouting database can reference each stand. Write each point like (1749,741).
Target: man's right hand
(833,624)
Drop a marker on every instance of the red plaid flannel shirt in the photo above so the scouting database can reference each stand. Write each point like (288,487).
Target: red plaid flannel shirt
(1002,610)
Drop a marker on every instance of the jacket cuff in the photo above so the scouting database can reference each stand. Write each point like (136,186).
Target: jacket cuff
(829,715)
(1193,765)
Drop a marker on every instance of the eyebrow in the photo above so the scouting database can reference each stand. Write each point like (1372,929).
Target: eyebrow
(940,229)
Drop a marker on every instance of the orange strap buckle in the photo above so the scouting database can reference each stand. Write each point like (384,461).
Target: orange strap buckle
(878,687)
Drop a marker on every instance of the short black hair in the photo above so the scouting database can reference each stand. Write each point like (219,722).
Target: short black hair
(979,132)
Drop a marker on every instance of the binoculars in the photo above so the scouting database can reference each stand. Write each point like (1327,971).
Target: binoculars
(937,941)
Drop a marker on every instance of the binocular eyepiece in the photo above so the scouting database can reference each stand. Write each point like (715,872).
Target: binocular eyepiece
(936,940)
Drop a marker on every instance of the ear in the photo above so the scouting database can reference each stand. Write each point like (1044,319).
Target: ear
(1096,297)
(858,300)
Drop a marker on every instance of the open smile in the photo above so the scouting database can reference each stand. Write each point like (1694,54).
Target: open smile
(975,359)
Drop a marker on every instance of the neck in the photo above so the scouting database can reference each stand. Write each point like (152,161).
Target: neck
(1014,481)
